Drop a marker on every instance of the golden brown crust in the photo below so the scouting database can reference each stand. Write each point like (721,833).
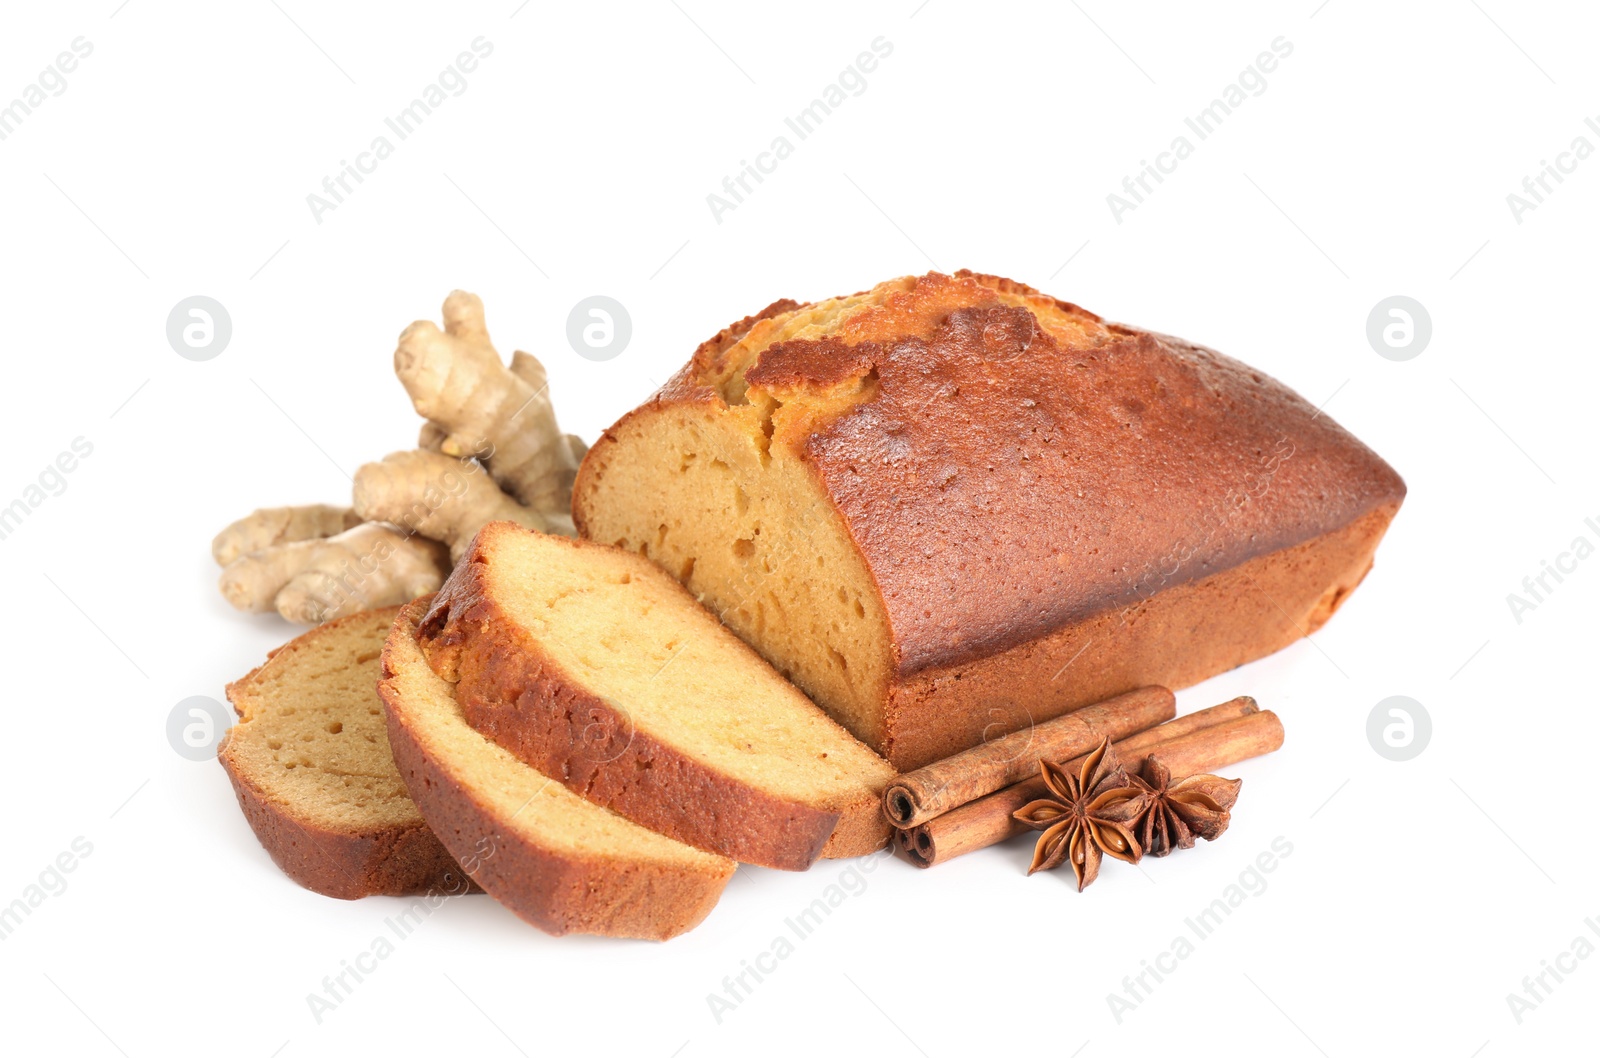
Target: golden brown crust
(388,861)
(557,892)
(861,831)
(708,354)
(1178,637)
(394,860)
(520,698)
(1056,482)
(1013,469)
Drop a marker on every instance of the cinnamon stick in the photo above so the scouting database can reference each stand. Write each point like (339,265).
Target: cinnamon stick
(920,795)
(1217,746)
(1190,745)
(1136,747)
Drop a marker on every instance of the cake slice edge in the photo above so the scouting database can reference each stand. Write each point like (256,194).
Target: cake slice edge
(381,859)
(515,693)
(660,890)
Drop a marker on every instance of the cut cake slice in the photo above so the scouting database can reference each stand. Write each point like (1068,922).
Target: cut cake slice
(309,761)
(558,861)
(594,666)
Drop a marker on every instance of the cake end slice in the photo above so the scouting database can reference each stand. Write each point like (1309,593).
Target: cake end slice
(310,764)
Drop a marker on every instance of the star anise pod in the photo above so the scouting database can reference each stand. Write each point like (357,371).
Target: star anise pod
(1178,812)
(1091,813)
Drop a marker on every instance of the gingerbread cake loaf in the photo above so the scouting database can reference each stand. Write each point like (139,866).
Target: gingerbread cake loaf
(950,505)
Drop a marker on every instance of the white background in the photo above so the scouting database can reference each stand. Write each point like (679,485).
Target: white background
(1377,162)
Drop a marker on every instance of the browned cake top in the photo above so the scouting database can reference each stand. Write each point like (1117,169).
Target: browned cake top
(1008,463)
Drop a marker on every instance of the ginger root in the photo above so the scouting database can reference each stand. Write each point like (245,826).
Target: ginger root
(489,450)
(477,406)
(430,438)
(271,526)
(442,498)
(310,581)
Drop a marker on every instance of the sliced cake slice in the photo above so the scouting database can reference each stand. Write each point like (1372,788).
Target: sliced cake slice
(560,862)
(310,763)
(594,666)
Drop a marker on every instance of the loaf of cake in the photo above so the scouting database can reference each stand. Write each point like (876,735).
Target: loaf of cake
(309,761)
(949,505)
(594,666)
(558,861)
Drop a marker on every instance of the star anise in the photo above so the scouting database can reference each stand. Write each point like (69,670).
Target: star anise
(1178,812)
(1091,813)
